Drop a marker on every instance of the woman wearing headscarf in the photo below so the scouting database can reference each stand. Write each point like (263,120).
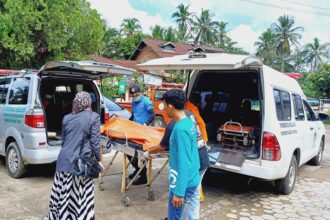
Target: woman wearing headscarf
(72,196)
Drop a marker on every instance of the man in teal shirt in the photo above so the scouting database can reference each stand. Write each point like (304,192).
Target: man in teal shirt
(184,159)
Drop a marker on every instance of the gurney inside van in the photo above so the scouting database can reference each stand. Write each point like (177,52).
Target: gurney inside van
(229,103)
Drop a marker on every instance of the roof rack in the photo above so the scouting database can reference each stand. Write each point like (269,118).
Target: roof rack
(197,53)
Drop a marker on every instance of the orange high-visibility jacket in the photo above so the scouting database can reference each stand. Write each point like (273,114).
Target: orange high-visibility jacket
(200,122)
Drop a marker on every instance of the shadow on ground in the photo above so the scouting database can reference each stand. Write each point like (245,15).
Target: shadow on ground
(217,180)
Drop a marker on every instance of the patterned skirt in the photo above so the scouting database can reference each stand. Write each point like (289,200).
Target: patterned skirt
(72,197)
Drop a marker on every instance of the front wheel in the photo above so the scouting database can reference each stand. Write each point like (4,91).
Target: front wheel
(316,161)
(286,185)
(14,162)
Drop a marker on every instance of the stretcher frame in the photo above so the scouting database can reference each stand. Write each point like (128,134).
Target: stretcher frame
(126,150)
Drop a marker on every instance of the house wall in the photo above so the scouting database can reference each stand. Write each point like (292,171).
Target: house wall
(146,54)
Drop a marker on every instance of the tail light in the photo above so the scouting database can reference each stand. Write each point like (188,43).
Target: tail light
(270,147)
(35,118)
(106,115)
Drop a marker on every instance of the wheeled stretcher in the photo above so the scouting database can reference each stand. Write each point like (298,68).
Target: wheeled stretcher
(119,141)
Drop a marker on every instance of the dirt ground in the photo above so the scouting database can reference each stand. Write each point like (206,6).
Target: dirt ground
(227,196)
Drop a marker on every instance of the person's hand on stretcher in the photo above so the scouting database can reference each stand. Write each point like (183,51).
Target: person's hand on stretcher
(154,150)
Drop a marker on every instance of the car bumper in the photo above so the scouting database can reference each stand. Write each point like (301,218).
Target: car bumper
(42,155)
(267,171)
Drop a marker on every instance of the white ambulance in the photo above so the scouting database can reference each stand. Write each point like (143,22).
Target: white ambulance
(258,120)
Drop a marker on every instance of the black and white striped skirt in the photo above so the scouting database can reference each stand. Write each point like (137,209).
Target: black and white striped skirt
(72,197)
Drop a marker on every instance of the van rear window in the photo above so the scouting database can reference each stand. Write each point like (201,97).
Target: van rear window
(283,105)
(19,91)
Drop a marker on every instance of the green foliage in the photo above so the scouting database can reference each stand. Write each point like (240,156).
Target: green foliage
(157,32)
(205,28)
(180,76)
(266,47)
(33,32)
(315,53)
(130,26)
(317,84)
(118,47)
(110,87)
(286,36)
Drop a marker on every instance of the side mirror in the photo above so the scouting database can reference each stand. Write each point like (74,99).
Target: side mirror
(323,117)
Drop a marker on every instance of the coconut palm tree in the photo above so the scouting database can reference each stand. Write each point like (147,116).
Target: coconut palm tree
(221,34)
(183,18)
(204,28)
(266,47)
(130,26)
(170,34)
(287,35)
(315,53)
(157,32)
(110,37)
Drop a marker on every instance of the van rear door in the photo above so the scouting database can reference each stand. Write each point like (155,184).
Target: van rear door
(210,61)
(203,61)
(83,69)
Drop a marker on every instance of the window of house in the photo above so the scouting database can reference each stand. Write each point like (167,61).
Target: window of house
(283,105)
(19,91)
(168,47)
(298,108)
(4,85)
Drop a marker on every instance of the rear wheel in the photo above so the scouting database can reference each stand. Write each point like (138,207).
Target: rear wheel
(316,161)
(159,122)
(286,185)
(14,162)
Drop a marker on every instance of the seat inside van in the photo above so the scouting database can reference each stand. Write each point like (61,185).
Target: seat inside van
(227,99)
(56,96)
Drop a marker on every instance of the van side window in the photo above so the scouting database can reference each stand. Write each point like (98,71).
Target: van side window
(309,112)
(298,108)
(19,91)
(283,105)
(4,85)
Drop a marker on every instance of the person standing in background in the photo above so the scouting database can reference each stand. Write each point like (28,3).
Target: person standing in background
(142,113)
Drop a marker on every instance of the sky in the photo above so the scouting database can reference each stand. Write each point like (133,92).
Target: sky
(246,19)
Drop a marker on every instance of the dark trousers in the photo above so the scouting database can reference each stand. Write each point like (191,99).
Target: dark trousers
(135,163)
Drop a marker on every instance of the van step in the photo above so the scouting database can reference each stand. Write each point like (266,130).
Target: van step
(226,156)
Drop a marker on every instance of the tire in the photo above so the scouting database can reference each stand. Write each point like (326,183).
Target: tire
(286,185)
(316,161)
(14,162)
(159,122)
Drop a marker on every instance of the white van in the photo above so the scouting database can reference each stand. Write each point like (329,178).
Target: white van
(258,120)
(33,104)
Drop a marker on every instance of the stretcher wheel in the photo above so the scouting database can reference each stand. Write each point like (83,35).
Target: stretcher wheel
(101,187)
(151,195)
(125,201)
